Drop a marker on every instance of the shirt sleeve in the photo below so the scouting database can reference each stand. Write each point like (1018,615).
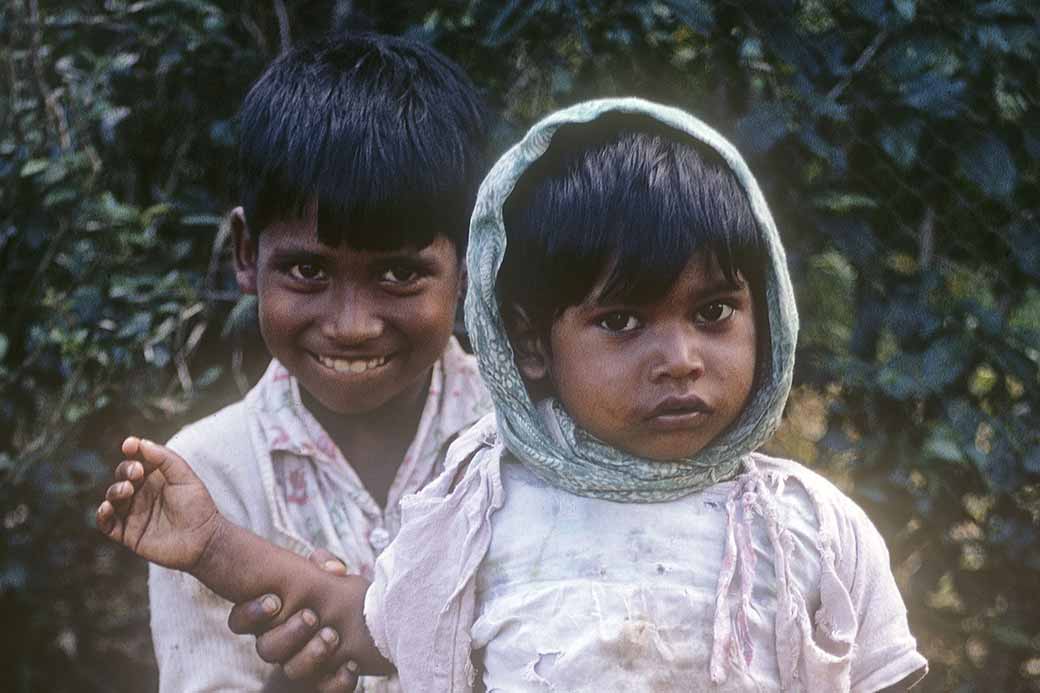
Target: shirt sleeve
(885,651)
(194,648)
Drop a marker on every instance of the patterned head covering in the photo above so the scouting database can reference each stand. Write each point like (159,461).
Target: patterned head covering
(568,457)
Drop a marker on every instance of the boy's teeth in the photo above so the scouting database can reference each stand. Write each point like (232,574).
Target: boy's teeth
(351,365)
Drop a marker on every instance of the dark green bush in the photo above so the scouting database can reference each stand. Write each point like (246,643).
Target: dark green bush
(898,142)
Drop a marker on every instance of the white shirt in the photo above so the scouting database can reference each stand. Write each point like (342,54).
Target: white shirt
(581,594)
(271,468)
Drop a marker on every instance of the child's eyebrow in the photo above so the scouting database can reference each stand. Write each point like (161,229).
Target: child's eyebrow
(715,287)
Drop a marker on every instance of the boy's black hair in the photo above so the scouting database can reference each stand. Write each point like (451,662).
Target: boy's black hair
(385,135)
(630,197)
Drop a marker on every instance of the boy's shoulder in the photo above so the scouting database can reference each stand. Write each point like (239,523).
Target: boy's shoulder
(217,443)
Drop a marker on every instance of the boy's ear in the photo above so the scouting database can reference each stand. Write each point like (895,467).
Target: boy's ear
(532,353)
(245,249)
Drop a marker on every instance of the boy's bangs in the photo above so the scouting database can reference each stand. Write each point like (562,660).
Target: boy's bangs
(385,137)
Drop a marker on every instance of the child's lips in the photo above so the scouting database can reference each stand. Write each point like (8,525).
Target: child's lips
(674,413)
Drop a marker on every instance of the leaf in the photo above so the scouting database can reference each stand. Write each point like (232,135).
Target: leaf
(843,201)
(33,166)
(242,316)
(990,36)
(901,142)
(928,373)
(1023,239)
(1031,460)
(874,10)
(997,8)
(934,92)
(942,444)
(201,220)
(854,238)
(4,343)
(907,9)
(136,326)
(988,164)
(766,125)
(696,14)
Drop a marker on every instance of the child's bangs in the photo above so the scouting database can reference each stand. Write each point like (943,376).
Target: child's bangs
(620,207)
(648,251)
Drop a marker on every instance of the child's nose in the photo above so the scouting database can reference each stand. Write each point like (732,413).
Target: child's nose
(353,321)
(677,355)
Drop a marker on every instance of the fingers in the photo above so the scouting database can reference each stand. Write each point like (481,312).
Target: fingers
(343,681)
(155,457)
(130,470)
(313,660)
(279,644)
(254,616)
(106,520)
(327,562)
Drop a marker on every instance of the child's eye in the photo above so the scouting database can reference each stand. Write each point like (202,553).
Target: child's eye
(715,312)
(399,274)
(619,322)
(308,272)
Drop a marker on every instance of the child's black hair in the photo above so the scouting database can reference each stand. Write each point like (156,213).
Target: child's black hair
(631,198)
(386,136)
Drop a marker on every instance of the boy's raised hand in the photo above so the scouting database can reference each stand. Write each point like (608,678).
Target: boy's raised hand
(158,508)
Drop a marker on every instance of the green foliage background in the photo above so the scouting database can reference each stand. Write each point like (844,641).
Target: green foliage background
(897,140)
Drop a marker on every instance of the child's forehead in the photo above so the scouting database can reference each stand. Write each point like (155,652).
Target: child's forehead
(702,273)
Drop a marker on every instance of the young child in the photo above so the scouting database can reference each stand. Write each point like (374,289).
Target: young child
(611,527)
(359,160)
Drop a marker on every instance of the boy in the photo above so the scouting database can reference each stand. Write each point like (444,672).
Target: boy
(610,527)
(359,159)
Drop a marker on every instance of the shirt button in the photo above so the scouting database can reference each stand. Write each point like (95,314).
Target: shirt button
(379,539)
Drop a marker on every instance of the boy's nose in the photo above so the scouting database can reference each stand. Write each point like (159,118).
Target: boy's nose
(677,355)
(352,322)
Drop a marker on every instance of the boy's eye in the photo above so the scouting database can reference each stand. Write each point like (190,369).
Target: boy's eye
(399,274)
(715,312)
(619,322)
(307,271)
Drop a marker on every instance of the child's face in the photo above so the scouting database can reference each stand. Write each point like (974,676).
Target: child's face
(358,329)
(661,380)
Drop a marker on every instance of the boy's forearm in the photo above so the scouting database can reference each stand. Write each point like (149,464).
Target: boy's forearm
(238,565)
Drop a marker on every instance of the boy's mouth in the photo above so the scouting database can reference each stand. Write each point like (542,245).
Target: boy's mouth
(359,365)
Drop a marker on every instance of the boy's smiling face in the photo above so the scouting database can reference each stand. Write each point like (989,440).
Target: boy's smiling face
(359,329)
(660,380)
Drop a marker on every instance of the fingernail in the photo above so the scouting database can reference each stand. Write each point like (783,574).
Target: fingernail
(329,636)
(335,567)
(309,617)
(270,604)
(352,666)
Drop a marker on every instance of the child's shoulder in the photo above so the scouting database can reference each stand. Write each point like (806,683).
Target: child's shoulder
(836,513)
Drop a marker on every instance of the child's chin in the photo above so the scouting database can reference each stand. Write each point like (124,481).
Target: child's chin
(660,450)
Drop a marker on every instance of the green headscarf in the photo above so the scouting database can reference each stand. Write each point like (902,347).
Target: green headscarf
(570,458)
